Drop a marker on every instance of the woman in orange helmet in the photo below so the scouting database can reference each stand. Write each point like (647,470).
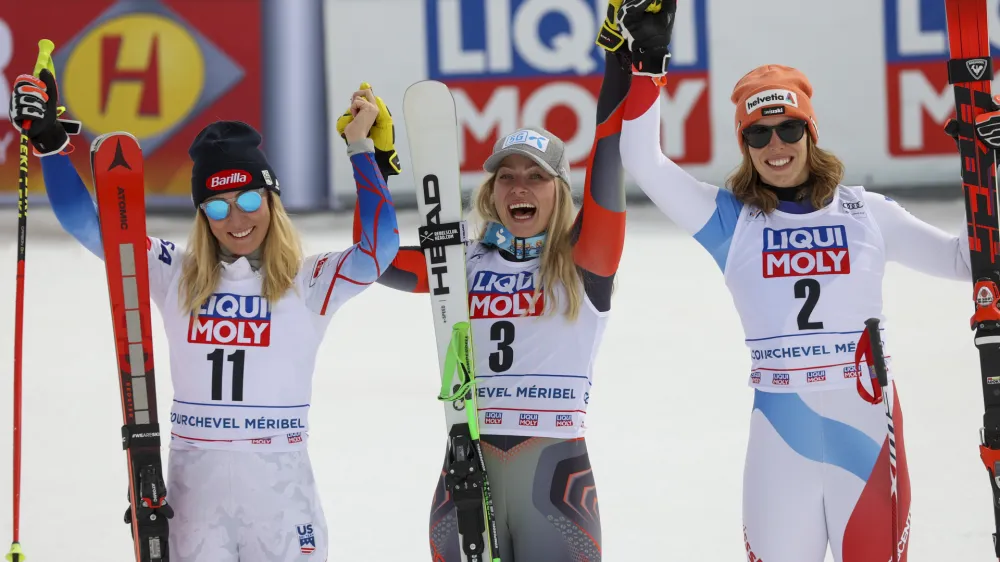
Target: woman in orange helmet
(804,258)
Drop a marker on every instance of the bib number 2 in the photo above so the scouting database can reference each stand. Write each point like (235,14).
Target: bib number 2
(217,359)
(807,289)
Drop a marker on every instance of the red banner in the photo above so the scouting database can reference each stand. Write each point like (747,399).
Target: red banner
(160,70)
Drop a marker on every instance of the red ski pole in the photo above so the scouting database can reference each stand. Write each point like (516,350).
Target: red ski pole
(870,348)
(45,48)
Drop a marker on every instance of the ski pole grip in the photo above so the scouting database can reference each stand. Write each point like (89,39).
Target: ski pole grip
(878,354)
(44,60)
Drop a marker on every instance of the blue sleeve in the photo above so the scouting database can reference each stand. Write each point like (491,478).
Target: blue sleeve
(717,234)
(71,202)
(379,241)
(338,277)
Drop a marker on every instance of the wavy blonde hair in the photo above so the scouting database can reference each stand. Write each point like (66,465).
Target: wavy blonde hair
(825,171)
(281,258)
(557,265)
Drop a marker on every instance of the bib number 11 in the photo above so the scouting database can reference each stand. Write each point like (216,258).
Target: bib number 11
(217,359)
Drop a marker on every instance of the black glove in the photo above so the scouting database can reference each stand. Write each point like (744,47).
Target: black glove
(988,125)
(646,25)
(37,100)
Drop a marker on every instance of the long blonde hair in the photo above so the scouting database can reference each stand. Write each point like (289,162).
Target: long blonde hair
(825,171)
(281,258)
(557,266)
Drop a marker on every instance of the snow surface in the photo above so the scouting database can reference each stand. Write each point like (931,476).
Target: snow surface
(668,415)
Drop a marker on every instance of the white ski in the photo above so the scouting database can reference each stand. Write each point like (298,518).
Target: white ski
(432,133)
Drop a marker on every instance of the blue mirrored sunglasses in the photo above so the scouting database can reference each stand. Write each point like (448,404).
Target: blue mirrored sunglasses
(218,209)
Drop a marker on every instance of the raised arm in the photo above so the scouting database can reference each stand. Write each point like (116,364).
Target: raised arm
(71,202)
(599,230)
(705,211)
(343,275)
(379,232)
(408,270)
(77,214)
(34,111)
(917,244)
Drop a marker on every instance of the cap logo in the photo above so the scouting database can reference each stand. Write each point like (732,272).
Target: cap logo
(527,137)
(772,97)
(227,179)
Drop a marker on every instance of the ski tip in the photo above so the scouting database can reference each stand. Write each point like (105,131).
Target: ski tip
(429,106)
(427,88)
(99,140)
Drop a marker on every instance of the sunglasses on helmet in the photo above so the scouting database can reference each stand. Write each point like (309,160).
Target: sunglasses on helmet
(790,131)
(218,209)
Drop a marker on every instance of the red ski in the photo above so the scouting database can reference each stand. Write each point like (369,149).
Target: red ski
(116,164)
(970,71)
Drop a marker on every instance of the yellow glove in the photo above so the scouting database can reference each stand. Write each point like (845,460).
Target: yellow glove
(382,133)
(608,37)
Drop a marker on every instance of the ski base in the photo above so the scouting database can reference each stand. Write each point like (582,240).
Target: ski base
(970,72)
(466,481)
(432,132)
(116,164)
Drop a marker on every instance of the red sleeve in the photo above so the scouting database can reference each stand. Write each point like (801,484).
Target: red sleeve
(600,225)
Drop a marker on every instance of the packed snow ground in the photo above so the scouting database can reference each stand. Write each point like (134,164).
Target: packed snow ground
(668,415)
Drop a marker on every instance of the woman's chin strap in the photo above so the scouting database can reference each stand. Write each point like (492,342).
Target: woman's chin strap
(518,249)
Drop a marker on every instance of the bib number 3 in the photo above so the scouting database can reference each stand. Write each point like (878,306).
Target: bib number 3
(502,359)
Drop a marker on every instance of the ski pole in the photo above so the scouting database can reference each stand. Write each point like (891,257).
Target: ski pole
(877,362)
(44,60)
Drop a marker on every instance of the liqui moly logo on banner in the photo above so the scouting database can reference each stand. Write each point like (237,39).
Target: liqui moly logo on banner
(794,252)
(228,319)
(919,99)
(494,418)
(517,63)
(504,295)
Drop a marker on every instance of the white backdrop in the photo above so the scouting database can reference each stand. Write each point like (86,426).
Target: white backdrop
(877,67)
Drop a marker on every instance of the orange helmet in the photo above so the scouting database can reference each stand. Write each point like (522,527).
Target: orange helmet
(773,89)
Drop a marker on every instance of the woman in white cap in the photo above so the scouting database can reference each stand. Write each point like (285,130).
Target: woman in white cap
(804,258)
(555,267)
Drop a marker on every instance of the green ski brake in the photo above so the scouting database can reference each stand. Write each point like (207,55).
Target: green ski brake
(458,363)
(459,367)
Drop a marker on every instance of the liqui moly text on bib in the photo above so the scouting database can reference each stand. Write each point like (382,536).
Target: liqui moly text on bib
(796,252)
